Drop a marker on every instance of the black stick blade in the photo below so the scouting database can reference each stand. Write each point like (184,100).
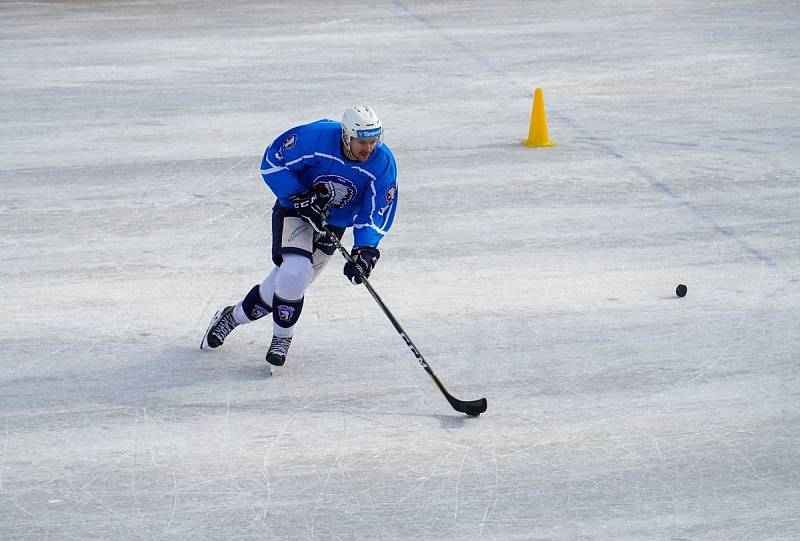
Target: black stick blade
(470,407)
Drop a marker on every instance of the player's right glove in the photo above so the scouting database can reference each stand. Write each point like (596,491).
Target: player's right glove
(312,205)
(362,261)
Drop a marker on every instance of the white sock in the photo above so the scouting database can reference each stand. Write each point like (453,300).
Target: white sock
(239,315)
(282,332)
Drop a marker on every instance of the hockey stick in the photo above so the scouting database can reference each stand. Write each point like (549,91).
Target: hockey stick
(470,407)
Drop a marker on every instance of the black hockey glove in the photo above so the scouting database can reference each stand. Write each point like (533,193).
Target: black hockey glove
(362,262)
(312,205)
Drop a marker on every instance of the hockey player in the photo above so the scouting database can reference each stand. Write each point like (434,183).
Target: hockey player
(323,174)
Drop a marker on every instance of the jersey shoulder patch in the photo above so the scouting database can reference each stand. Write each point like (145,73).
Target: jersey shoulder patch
(288,143)
(390,195)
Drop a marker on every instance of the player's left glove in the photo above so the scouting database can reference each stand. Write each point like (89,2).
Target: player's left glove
(362,261)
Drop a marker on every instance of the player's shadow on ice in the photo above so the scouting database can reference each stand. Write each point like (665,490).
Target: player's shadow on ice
(236,365)
(199,367)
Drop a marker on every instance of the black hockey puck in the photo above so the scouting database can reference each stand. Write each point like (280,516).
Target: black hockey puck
(680,291)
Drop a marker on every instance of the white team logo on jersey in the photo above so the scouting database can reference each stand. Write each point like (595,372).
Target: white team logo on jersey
(340,189)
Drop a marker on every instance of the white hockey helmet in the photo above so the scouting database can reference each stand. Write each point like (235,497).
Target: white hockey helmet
(360,122)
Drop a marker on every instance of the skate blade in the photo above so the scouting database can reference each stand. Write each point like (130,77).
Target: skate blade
(204,341)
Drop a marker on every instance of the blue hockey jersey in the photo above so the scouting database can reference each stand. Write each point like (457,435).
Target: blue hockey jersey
(365,193)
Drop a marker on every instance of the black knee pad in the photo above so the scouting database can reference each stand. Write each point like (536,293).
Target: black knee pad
(286,313)
(254,306)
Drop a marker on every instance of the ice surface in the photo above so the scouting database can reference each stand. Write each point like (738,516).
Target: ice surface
(543,279)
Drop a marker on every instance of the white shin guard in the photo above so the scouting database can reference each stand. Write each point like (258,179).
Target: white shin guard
(291,281)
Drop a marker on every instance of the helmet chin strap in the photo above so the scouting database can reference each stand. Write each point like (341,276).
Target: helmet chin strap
(347,152)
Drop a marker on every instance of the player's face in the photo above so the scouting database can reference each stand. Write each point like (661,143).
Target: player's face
(362,148)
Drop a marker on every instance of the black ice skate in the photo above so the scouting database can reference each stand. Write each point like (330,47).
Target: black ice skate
(278,349)
(221,326)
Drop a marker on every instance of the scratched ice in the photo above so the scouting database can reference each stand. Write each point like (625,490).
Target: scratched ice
(542,279)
